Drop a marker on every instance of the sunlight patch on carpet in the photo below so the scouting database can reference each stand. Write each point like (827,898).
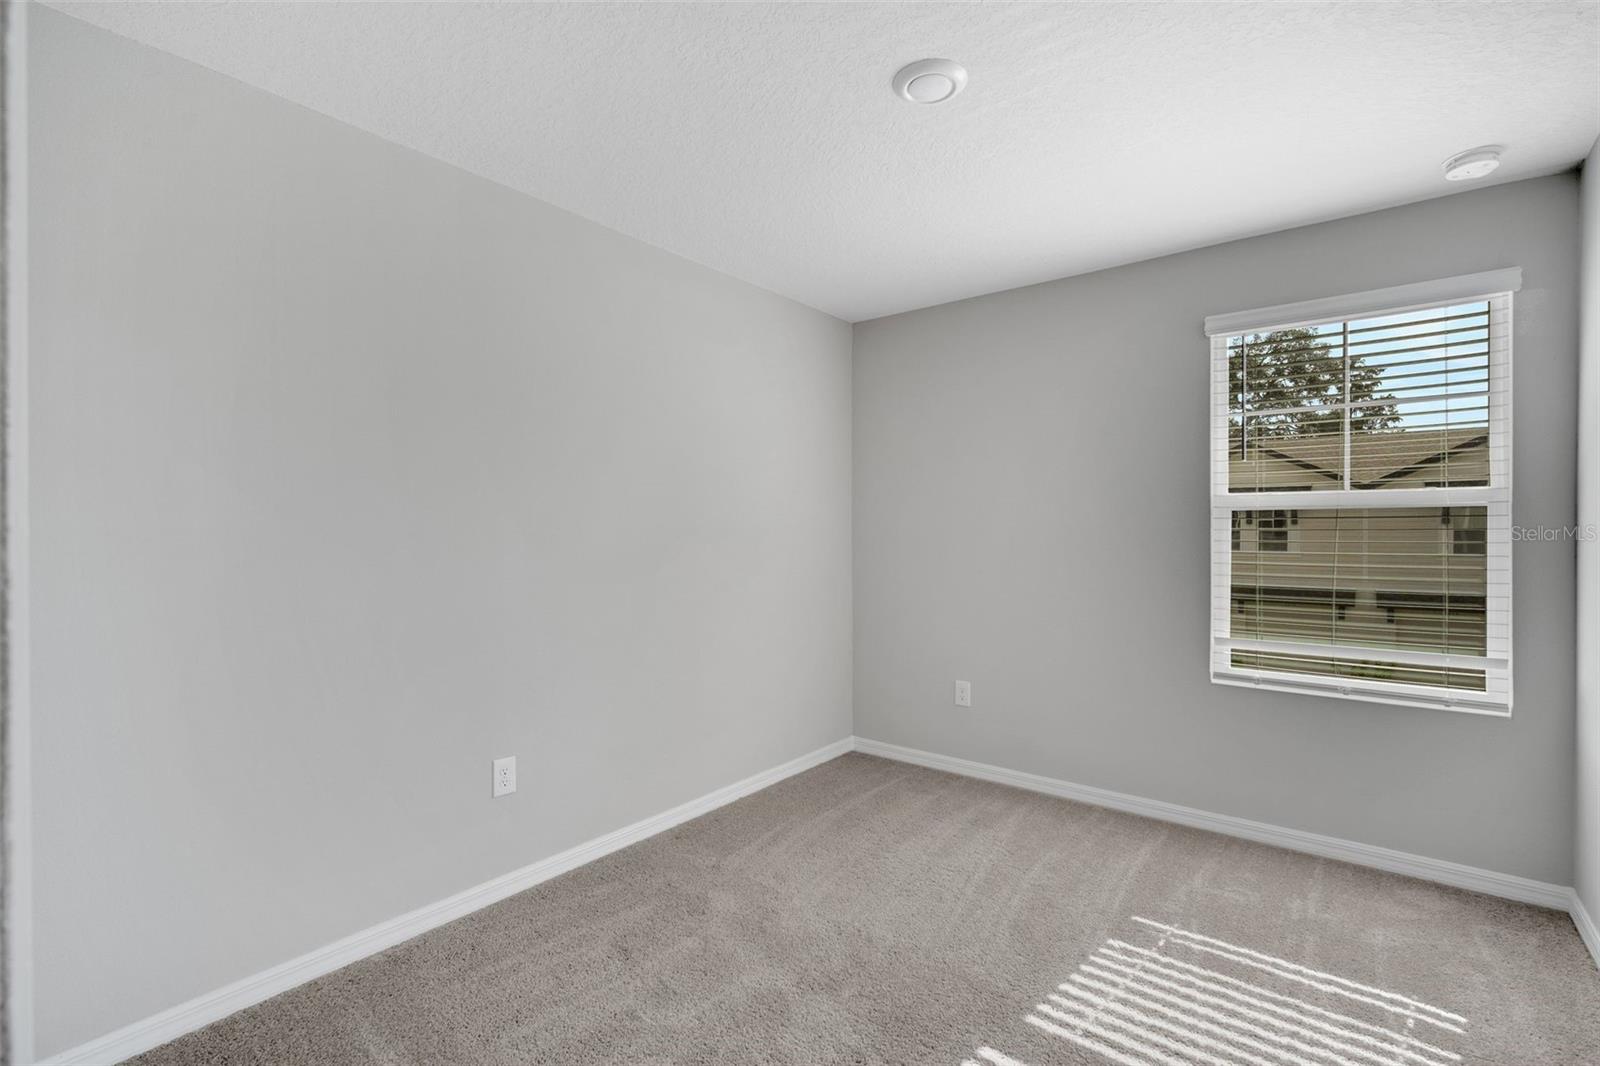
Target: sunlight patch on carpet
(1168,996)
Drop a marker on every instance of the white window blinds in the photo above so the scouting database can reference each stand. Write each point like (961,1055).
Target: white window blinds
(1361,495)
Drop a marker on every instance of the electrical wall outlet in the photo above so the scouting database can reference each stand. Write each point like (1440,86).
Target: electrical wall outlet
(505,775)
(963,693)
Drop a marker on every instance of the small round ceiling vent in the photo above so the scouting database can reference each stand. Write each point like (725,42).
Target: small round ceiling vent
(930,81)
(1478,163)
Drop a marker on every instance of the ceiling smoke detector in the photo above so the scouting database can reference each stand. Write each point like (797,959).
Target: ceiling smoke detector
(929,81)
(1478,163)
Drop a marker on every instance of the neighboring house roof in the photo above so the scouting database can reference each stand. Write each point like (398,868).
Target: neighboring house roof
(1375,458)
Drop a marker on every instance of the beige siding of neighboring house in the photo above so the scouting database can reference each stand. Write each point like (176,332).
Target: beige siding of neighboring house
(1362,575)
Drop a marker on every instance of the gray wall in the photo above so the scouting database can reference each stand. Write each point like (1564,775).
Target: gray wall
(1031,508)
(1586,875)
(351,472)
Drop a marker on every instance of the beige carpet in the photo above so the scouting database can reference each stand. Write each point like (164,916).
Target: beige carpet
(872,912)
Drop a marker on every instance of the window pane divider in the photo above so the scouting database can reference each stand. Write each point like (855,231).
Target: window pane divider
(1344,351)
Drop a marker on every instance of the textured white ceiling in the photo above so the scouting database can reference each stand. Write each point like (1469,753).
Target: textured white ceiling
(763,139)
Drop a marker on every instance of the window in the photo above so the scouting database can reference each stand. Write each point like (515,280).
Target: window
(1272,531)
(1365,443)
(1468,530)
(1473,541)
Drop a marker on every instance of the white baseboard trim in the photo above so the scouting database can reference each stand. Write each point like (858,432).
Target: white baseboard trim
(174,1022)
(1506,886)
(1586,927)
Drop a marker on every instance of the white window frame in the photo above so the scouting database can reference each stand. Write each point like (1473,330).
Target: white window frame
(1494,287)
